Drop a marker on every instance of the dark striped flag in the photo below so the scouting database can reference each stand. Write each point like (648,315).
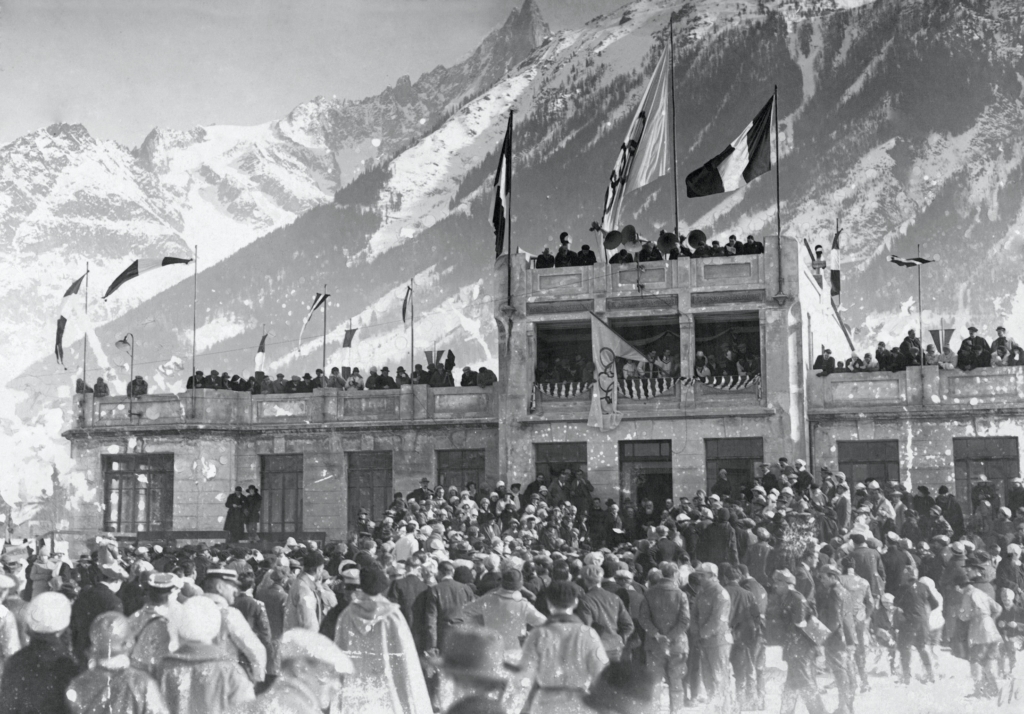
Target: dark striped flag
(500,206)
(908,262)
(834,262)
(261,353)
(746,158)
(140,266)
(319,301)
(62,320)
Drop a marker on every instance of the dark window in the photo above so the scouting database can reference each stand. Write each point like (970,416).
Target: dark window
(457,467)
(739,457)
(727,344)
(138,492)
(281,485)
(867,460)
(657,338)
(645,471)
(564,353)
(369,483)
(552,459)
(997,458)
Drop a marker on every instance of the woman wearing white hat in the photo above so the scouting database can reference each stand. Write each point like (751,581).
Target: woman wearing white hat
(36,678)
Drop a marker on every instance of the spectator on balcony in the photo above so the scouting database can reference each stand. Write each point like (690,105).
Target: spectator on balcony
(469,377)
(825,362)
(748,366)
(384,380)
(910,348)
(565,256)
(648,253)
(981,357)
(701,367)
(486,378)
(869,364)
(717,251)
(931,357)
(586,256)
(732,247)
(138,387)
(622,256)
(335,381)
(667,365)
(402,377)
(882,356)
(753,247)
(355,381)
(195,379)
(372,379)
(81,387)
(947,360)
(1000,358)
(1001,340)
(419,376)
(974,341)
(545,259)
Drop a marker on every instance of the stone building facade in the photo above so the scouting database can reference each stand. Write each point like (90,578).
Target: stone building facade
(161,466)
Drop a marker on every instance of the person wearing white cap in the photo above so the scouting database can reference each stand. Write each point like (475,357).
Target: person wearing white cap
(237,638)
(36,677)
(10,640)
(200,677)
(313,671)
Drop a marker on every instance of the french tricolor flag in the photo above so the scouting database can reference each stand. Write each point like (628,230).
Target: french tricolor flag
(746,158)
(140,266)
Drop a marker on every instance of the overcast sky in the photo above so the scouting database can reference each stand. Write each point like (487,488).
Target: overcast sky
(121,67)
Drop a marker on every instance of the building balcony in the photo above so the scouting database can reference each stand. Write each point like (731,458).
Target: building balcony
(219,408)
(918,388)
(709,281)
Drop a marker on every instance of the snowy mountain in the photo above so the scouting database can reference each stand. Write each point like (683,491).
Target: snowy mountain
(902,117)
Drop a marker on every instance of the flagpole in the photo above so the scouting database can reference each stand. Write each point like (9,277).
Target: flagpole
(323,370)
(195,296)
(672,125)
(920,306)
(778,194)
(85,332)
(412,329)
(511,112)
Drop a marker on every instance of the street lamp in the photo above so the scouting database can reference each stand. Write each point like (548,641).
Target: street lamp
(127,343)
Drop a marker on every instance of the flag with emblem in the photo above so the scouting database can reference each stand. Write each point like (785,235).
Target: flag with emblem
(607,346)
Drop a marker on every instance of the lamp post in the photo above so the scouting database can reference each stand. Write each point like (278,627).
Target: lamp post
(128,343)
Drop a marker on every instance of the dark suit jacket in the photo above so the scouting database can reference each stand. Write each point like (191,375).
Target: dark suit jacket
(90,603)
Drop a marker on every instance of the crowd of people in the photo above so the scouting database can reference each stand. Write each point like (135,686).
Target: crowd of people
(543,598)
(975,352)
(697,247)
(435,375)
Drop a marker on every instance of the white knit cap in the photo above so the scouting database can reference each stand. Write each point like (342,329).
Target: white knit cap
(48,613)
(200,620)
(306,644)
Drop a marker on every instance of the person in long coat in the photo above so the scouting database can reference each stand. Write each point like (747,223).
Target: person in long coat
(200,677)
(798,650)
(374,634)
(36,677)
(665,618)
(92,602)
(234,523)
(112,686)
(253,509)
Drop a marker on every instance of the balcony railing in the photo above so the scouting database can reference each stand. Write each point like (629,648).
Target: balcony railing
(220,407)
(921,387)
(657,393)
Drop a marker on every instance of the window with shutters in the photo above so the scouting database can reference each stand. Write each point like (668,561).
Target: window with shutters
(869,460)
(458,467)
(369,484)
(281,486)
(138,492)
(739,458)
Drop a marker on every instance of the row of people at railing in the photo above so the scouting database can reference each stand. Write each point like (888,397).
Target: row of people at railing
(435,375)
(667,248)
(666,365)
(975,352)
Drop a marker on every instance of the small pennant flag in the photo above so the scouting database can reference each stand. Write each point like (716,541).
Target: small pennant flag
(261,353)
(62,321)
(908,262)
(405,302)
(502,201)
(141,266)
(941,338)
(835,260)
(746,158)
(349,334)
(319,301)
(645,155)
